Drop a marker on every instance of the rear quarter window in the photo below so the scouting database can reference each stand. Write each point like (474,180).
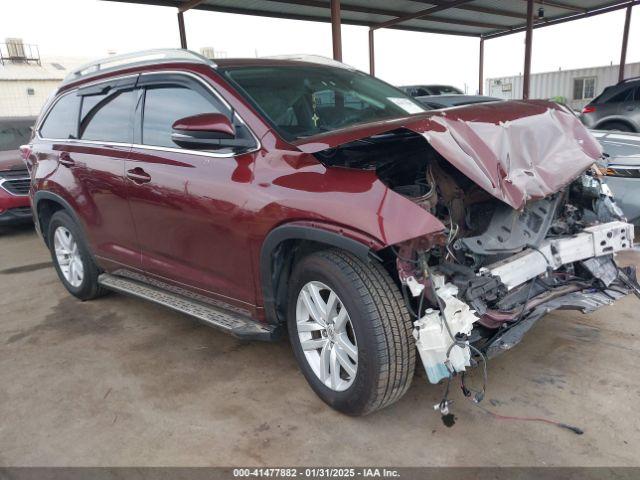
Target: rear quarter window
(624,96)
(62,120)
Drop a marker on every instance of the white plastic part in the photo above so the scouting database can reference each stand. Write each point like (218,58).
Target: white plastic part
(433,339)
(415,287)
(595,241)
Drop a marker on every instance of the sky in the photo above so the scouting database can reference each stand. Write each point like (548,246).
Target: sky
(94,28)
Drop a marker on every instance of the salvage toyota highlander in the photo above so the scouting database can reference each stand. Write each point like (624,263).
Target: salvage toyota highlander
(265,195)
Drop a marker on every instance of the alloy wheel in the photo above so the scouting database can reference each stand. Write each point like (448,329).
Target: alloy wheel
(68,256)
(326,336)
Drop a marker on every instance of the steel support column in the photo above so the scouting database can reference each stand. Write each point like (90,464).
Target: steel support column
(526,81)
(183,32)
(481,68)
(625,41)
(372,56)
(336,34)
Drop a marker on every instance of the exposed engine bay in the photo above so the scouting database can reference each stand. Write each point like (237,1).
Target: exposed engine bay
(478,286)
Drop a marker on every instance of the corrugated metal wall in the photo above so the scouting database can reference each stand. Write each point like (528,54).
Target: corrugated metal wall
(24,98)
(558,84)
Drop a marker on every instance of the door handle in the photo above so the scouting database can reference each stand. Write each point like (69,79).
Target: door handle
(65,159)
(138,175)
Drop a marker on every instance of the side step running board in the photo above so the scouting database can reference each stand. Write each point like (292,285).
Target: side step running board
(234,323)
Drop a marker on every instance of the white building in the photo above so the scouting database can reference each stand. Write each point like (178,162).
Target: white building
(573,87)
(26,80)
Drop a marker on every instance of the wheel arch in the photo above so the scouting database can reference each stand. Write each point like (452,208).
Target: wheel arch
(616,119)
(45,205)
(287,242)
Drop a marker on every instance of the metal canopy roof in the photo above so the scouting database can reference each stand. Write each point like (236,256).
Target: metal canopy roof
(476,18)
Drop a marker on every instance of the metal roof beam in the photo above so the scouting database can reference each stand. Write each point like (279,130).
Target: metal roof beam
(336,29)
(477,9)
(189,5)
(345,7)
(563,19)
(562,6)
(625,41)
(296,16)
(421,14)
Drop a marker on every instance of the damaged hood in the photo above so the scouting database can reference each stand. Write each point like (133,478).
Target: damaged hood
(10,160)
(516,150)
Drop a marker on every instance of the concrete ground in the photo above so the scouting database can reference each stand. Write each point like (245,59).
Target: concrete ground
(119,382)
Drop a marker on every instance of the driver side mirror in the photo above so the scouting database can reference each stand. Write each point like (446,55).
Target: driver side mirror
(202,131)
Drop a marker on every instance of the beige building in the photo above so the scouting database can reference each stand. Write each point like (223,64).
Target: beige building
(26,80)
(575,87)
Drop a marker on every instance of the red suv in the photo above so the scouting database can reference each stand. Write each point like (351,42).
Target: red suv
(263,195)
(14,177)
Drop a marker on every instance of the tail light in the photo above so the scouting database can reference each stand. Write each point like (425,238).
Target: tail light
(589,109)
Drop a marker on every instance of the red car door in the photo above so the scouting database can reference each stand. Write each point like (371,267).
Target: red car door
(189,207)
(88,133)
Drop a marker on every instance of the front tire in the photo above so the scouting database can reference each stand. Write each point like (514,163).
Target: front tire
(71,257)
(350,332)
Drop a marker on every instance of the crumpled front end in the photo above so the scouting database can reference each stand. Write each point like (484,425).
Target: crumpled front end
(528,224)
(499,270)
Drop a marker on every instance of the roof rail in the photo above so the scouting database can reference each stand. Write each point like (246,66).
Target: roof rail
(135,59)
(630,79)
(319,59)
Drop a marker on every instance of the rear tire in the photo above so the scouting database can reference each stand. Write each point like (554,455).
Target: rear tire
(71,257)
(379,327)
(616,127)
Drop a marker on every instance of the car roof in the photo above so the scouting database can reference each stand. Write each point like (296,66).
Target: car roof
(612,90)
(137,62)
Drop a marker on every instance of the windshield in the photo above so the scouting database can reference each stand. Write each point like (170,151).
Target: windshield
(14,133)
(303,101)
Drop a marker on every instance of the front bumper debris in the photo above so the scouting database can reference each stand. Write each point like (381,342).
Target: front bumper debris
(442,337)
(603,239)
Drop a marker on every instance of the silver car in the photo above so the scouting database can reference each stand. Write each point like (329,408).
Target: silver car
(623,170)
(616,108)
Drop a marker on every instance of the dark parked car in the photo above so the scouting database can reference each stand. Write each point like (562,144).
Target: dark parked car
(259,195)
(434,102)
(426,90)
(14,177)
(616,108)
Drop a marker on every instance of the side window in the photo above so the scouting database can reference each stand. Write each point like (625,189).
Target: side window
(623,96)
(637,95)
(164,105)
(108,117)
(421,92)
(62,120)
